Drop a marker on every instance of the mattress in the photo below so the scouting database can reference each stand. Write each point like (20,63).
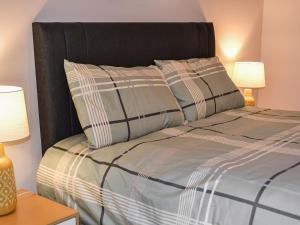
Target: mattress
(234,168)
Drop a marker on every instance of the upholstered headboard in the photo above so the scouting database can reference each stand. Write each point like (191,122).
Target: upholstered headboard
(118,44)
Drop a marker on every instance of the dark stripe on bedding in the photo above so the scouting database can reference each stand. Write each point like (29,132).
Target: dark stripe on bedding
(121,102)
(267,114)
(264,187)
(134,118)
(237,118)
(211,98)
(212,94)
(288,116)
(245,136)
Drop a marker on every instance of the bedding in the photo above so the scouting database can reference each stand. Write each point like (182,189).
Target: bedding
(238,167)
(116,104)
(201,86)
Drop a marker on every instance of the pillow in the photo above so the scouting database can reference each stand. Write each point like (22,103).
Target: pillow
(201,86)
(116,104)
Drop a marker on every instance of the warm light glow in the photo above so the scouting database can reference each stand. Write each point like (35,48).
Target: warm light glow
(13,116)
(249,74)
(230,47)
(230,50)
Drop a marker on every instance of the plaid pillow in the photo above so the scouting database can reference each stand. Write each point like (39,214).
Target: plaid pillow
(201,86)
(116,104)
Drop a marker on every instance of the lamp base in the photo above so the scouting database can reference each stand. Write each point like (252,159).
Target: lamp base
(8,196)
(249,99)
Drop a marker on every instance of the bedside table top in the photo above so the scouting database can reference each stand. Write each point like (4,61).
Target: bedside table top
(36,210)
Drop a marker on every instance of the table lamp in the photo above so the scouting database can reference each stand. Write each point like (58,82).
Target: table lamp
(13,127)
(249,75)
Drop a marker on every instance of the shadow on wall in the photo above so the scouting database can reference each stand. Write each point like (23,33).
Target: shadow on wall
(121,11)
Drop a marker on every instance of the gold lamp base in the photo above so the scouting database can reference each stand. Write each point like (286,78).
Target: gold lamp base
(8,200)
(249,99)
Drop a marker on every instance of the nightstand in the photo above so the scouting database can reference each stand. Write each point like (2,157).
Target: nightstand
(36,210)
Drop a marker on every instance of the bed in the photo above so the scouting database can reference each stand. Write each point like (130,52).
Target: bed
(237,167)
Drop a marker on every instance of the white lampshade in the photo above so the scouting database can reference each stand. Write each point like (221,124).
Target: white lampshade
(249,74)
(13,116)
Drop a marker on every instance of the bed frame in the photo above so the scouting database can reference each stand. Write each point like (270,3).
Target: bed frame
(117,44)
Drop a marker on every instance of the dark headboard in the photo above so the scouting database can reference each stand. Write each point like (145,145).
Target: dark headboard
(118,44)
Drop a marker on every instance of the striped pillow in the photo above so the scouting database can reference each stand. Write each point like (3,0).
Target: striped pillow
(116,104)
(201,86)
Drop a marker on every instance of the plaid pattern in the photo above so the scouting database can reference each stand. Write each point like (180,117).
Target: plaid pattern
(237,167)
(201,86)
(117,104)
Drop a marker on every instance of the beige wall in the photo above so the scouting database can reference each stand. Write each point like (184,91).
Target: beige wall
(237,28)
(281,54)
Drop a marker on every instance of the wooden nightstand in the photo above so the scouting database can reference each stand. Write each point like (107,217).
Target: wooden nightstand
(36,210)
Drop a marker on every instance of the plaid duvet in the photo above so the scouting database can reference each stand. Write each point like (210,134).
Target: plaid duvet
(239,167)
